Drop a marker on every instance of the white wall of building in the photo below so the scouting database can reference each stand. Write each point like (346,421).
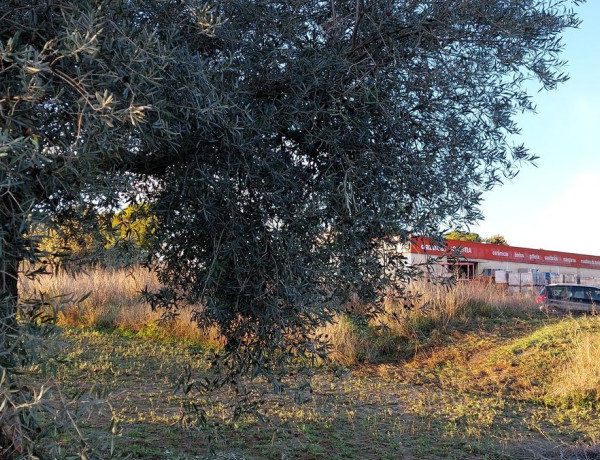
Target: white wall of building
(436,266)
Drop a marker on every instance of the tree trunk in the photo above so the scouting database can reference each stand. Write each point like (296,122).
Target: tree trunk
(10,255)
(9,294)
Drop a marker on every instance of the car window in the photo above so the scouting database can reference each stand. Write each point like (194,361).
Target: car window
(581,294)
(558,292)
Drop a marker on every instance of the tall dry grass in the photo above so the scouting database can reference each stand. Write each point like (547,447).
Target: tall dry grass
(421,319)
(445,303)
(111,299)
(579,380)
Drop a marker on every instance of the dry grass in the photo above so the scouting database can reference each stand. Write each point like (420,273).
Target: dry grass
(468,371)
(421,320)
(579,380)
(111,299)
(436,306)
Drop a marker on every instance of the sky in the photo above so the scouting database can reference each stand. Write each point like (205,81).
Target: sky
(556,205)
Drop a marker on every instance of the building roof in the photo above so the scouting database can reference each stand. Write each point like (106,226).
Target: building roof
(486,251)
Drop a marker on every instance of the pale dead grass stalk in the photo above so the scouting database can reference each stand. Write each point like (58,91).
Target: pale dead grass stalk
(427,309)
(579,380)
(112,299)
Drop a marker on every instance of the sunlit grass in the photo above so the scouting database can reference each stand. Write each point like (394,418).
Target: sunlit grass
(112,299)
(469,371)
(578,379)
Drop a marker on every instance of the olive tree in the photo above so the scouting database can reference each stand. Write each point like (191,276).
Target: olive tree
(84,88)
(286,147)
(348,127)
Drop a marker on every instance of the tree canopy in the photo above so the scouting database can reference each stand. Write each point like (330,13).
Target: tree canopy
(349,126)
(463,236)
(285,147)
(496,239)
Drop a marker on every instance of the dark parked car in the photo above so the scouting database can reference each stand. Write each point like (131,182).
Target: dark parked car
(569,297)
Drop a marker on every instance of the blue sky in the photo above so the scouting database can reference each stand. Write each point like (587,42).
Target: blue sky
(556,205)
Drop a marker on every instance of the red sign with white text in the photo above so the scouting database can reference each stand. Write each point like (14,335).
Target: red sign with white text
(470,250)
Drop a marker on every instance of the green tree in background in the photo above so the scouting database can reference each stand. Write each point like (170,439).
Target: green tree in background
(134,224)
(463,236)
(474,237)
(121,238)
(496,239)
(128,236)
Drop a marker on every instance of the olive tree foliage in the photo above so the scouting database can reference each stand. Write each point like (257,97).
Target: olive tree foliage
(84,87)
(285,147)
(348,127)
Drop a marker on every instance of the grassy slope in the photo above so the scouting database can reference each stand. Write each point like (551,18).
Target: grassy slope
(489,387)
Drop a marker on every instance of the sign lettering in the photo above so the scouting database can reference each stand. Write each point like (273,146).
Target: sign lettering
(484,251)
